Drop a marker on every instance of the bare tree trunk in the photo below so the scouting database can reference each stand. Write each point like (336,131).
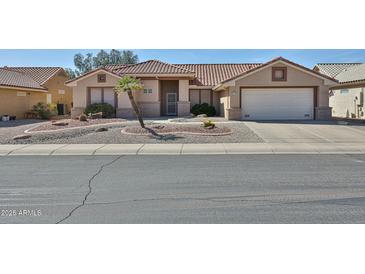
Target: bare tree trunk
(135,108)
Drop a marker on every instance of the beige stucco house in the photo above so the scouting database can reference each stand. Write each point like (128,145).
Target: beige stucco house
(347,97)
(276,90)
(23,87)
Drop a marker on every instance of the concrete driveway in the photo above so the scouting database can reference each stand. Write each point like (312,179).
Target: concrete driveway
(308,132)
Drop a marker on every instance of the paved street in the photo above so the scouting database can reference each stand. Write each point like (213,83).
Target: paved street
(183,189)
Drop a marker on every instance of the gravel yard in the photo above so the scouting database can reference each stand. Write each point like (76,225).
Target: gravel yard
(164,129)
(240,134)
(73,123)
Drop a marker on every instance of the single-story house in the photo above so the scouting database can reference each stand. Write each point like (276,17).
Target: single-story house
(276,90)
(347,97)
(23,87)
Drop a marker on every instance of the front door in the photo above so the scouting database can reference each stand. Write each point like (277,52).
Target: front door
(171,103)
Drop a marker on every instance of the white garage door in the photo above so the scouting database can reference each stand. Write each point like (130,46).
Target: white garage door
(277,104)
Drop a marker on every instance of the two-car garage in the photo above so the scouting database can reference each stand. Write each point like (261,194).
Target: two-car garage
(277,103)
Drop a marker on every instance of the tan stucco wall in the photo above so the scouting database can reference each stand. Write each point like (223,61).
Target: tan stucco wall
(80,91)
(223,103)
(12,104)
(183,90)
(54,85)
(345,104)
(140,96)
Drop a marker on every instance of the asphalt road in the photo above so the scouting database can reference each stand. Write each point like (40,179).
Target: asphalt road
(183,189)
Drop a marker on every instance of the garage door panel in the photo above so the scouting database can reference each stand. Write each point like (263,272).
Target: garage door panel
(277,104)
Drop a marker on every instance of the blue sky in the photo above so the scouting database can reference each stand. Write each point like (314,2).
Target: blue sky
(64,57)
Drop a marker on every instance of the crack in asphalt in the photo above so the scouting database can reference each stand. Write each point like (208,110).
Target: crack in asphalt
(239,199)
(89,188)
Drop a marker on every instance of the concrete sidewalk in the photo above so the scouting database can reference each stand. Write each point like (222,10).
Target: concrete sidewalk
(183,149)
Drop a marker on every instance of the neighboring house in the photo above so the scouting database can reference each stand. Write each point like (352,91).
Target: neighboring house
(23,87)
(347,97)
(276,90)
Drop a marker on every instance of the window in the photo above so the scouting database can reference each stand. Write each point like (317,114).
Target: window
(344,91)
(279,73)
(147,90)
(101,78)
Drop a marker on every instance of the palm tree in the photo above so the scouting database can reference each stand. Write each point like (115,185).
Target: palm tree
(128,84)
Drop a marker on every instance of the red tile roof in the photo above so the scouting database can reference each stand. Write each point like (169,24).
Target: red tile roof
(205,74)
(39,74)
(213,74)
(13,78)
(148,67)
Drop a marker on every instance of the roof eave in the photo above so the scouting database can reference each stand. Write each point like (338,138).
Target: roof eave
(23,88)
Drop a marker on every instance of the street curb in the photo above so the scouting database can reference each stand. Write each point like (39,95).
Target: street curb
(182,149)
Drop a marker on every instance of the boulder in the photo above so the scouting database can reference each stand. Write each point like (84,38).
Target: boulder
(83,118)
(202,116)
(60,123)
(98,115)
(101,129)
(22,136)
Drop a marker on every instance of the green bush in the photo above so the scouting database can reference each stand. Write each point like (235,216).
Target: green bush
(44,111)
(208,124)
(203,109)
(107,109)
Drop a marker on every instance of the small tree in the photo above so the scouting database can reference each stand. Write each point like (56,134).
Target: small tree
(128,84)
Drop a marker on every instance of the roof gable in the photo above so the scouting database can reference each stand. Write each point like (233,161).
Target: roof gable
(90,73)
(280,60)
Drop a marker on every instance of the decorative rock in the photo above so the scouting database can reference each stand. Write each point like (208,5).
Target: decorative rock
(60,123)
(101,129)
(83,118)
(158,127)
(21,137)
(202,115)
(97,115)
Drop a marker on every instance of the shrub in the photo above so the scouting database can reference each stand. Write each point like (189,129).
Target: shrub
(203,109)
(107,109)
(208,124)
(44,111)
